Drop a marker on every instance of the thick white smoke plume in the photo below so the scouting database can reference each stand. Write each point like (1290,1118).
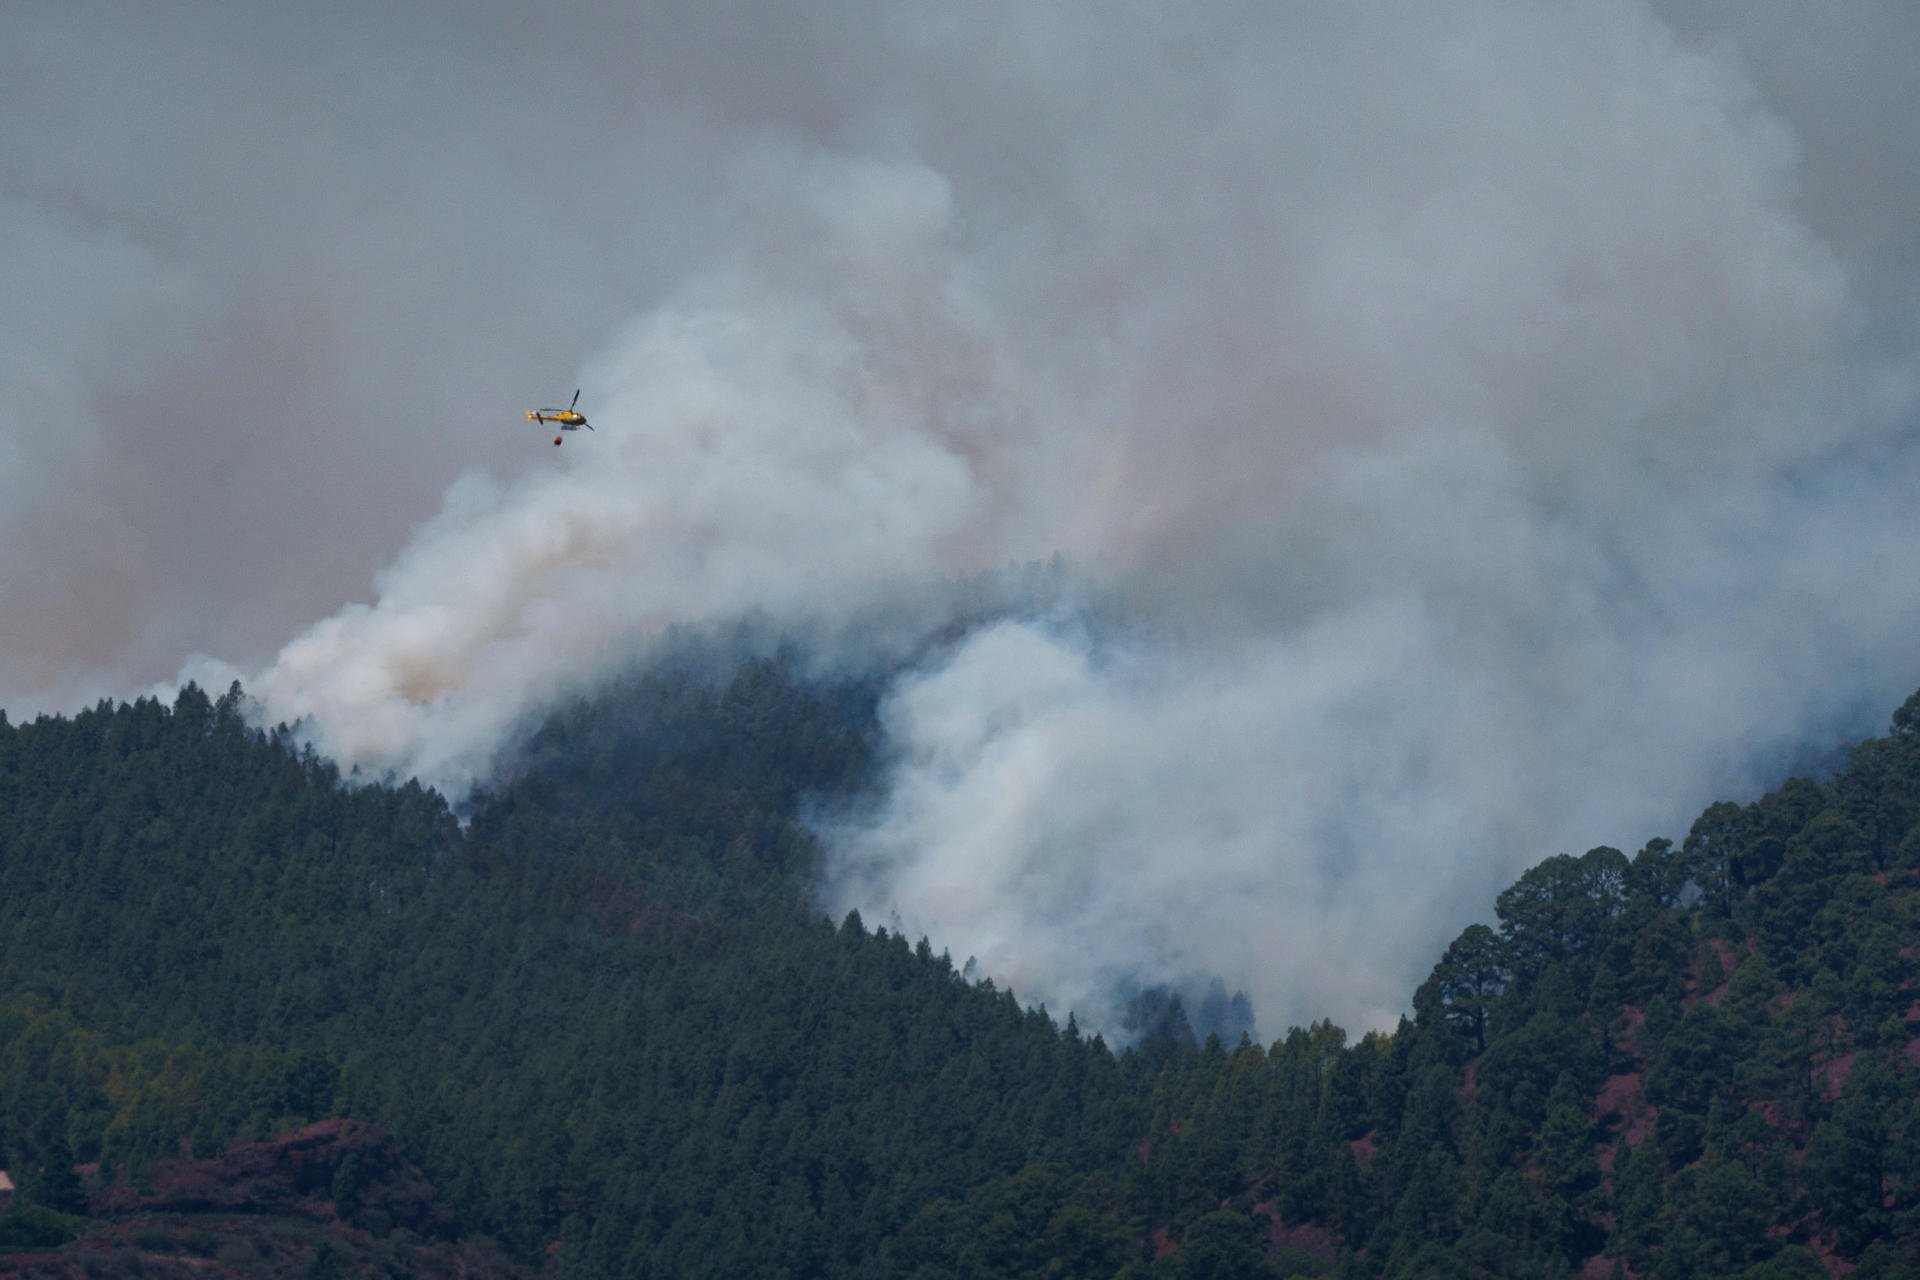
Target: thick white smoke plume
(788,438)
(1492,451)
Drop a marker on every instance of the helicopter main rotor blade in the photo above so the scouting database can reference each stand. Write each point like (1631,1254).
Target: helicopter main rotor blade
(576,398)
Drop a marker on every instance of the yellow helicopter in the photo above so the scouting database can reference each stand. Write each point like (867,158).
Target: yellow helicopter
(567,419)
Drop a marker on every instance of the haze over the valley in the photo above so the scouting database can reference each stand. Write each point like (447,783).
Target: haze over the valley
(1469,431)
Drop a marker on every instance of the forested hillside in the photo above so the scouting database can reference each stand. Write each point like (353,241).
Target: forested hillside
(606,1023)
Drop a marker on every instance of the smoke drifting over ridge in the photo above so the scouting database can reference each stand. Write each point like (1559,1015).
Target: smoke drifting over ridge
(1491,447)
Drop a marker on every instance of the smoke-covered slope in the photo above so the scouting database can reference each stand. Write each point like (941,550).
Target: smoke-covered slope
(605,1022)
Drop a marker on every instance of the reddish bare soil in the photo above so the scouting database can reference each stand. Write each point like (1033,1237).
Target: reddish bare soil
(1618,1095)
(1831,1076)
(1621,1096)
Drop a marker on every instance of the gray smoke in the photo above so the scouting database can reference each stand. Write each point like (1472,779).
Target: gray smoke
(1490,424)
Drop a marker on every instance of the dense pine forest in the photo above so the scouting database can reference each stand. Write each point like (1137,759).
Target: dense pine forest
(600,1015)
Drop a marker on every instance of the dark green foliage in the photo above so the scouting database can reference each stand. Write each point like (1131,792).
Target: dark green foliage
(1639,1201)
(326,1263)
(27,1227)
(1470,977)
(1795,1262)
(606,1020)
(1561,913)
(1222,1245)
(52,1184)
(1885,1260)
(348,1178)
(1847,1161)
(1718,1219)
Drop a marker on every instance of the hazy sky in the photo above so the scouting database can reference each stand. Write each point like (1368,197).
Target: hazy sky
(1495,421)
